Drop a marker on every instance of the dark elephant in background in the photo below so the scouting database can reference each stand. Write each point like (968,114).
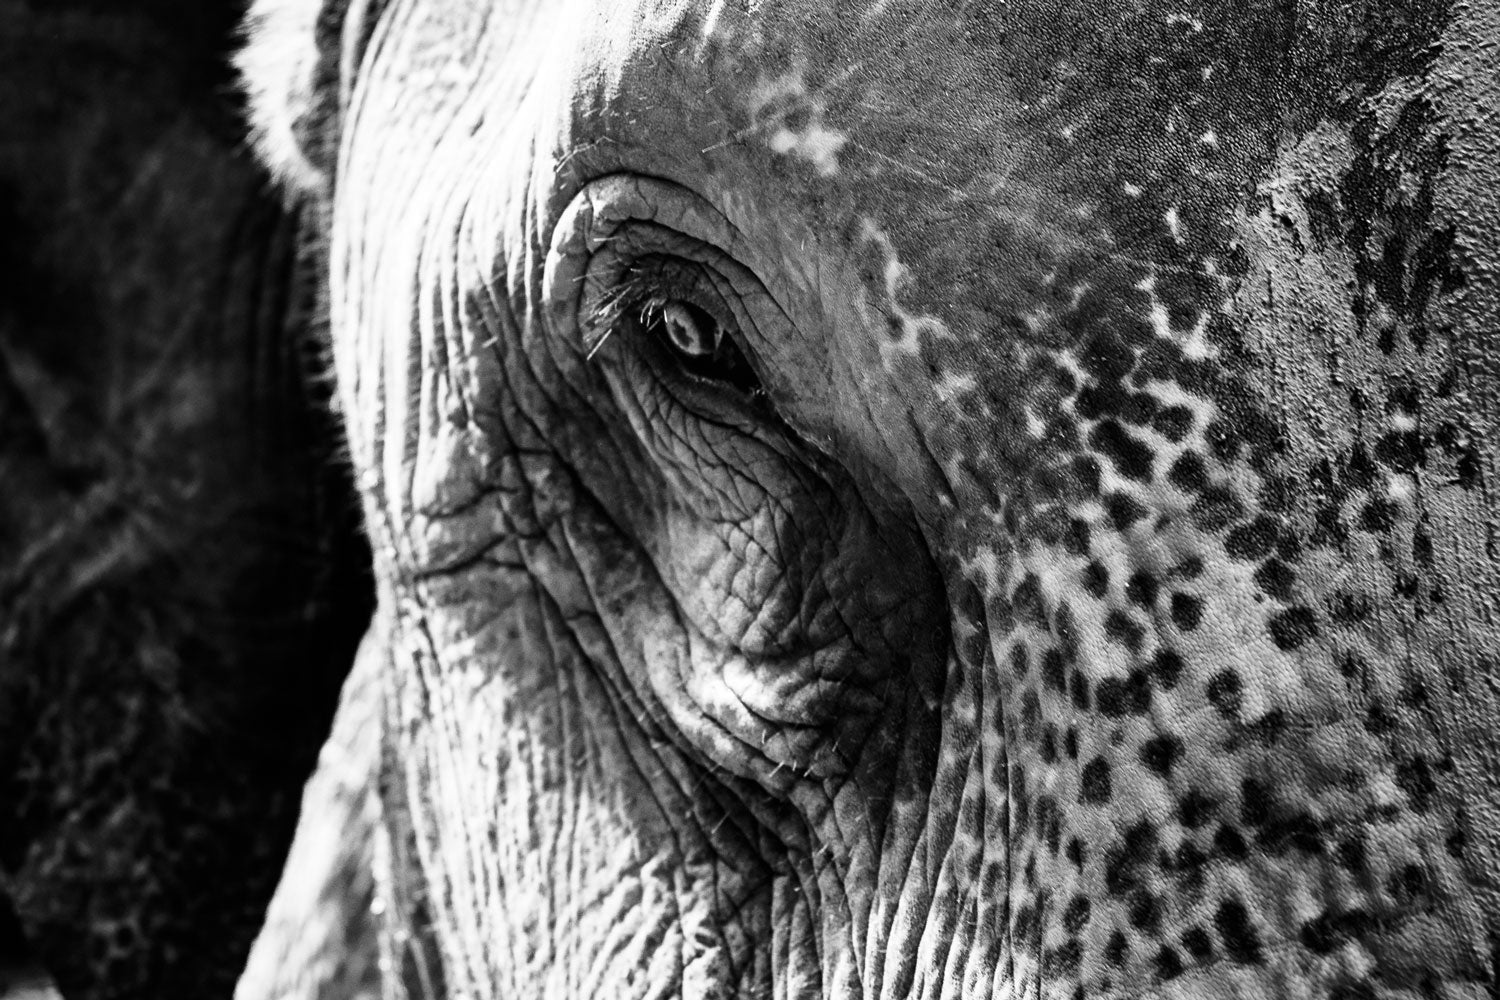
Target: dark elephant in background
(181,582)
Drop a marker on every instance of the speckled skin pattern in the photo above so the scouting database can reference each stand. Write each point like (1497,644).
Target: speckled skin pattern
(179,585)
(1098,603)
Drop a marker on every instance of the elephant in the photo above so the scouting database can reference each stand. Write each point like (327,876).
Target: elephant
(182,570)
(897,499)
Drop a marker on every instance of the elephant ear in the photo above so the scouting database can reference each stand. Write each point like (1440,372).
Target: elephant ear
(293,69)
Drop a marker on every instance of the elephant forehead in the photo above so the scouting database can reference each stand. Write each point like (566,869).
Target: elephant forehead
(981,149)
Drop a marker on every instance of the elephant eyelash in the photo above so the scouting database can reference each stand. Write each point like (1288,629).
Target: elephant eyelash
(606,315)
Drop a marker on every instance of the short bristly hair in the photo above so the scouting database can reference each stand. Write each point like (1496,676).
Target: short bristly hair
(290,67)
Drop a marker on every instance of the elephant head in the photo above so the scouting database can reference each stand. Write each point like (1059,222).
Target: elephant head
(917,500)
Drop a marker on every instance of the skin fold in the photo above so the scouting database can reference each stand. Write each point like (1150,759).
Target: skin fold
(1075,579)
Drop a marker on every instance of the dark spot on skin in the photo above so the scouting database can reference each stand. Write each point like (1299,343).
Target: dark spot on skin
(1145,912)
(1224,692)
(1096,579)
(1255,802)
(1067,633)
(1278,494)
(1120,628)
(1414,778)
(1229,843)
(1289,547)
(1190,568)
(1077,538)
(1269,727)
(1349,609)
(1378,517)
(1118,697)
(1079,688)
(1161,754)
(1298,831)
(1049,744)
(1031,714)
(1328,931)
(1086,475)
(1359,471)
(1074,851)
(1076,916)
(1070,743)
(1123,511)
(1027,601)
(1187,611)
(1095,787)
(1198,944)
(1130,455)
(1353,989)
(797,117)
(1456,843)
(1402,451)
(1052,671)
(1126,865)
(1249,542)
(1020,659)
(1190,864)
(1117,950)
(1188,473)
(1064,960)
(1421,546)
(1241,941)
(1020,802)
(1351,854)
(1168,963)
(1328,530)
(1293,627)
(1195,808)
(1166,667)
(1049,822)
(1141,589)
(1409,885)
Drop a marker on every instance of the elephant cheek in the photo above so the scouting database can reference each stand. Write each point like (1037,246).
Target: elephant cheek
(558,851)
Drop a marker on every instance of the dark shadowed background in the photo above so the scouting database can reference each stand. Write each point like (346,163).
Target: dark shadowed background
(182,583)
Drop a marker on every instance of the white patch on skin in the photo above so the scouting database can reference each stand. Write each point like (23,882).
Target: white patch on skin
(1066,359)
(1194,341)
(1132,190)
(1401,489)
(1174,224)
(813,141)
(912,325)
(1210,138)
(952,386)
(1403,421)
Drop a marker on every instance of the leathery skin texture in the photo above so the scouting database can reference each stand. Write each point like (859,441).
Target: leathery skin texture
(1087,594)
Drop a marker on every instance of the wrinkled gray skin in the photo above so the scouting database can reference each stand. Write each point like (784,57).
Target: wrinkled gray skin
(1094,599)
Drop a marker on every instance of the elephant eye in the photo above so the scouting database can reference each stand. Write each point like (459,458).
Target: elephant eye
(698,343)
